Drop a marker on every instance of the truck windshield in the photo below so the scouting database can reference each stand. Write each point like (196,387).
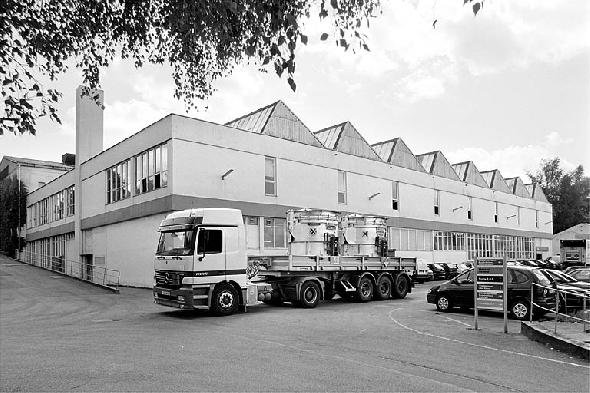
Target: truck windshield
(176,243)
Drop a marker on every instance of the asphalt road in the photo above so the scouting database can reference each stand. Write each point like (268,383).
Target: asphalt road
(59,334)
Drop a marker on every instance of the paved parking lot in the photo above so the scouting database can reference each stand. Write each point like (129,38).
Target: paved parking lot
(59,334)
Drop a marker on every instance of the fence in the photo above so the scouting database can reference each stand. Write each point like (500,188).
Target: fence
(570,306)
(91,273)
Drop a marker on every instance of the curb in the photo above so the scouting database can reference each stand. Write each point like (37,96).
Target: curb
(538,333)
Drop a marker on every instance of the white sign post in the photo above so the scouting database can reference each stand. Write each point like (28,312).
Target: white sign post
(490,291)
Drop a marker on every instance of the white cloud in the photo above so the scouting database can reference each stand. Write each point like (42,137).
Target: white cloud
(514,160)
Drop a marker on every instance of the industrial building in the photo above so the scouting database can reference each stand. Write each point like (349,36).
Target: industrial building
(106,210)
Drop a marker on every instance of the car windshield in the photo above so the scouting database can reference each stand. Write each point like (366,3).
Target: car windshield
(176,243)
(541,278)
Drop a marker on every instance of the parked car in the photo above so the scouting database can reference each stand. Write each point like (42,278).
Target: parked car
(463,267)
(458,292)
(450,270)
(422,272)
(572,291)
(570,269)
(581,274)
(437,270)
(527,262)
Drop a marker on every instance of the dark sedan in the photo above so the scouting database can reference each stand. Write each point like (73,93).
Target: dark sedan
(458,292)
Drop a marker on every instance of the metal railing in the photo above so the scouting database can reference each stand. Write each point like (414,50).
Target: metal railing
(575,312)
(91,273)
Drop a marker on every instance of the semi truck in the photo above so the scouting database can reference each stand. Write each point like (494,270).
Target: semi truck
(201,262)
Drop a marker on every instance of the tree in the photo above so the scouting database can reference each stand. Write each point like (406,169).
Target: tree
(202,41)
(13,214)
(569,193)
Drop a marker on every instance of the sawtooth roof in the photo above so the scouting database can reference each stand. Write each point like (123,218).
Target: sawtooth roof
(346,139)
(396,152)
(468,172)
(436,163)
(495,181)
(276,120)
(536,192)
(517,187)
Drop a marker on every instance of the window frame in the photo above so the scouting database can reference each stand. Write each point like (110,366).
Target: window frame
(270,179)
(395,195)
(342,192)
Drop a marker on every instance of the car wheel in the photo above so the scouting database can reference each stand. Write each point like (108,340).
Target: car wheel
(520,310)
(444,304)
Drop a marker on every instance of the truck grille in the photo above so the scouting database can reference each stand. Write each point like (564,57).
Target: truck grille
(169,279)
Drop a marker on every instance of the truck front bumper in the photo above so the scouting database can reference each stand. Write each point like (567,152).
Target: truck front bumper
(179,298)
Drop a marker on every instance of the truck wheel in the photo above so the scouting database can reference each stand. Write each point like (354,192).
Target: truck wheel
(309,295)
(401,287)
(384,285)
(225,300)
(364,290)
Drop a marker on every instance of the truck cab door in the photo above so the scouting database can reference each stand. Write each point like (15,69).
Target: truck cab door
(210,255)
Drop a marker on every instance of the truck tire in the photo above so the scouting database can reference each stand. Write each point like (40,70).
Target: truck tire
(401,287)
(364,290)
(383,290)
(309,295)
(225,300)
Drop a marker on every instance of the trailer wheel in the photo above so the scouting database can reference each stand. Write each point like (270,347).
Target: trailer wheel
(364,290)
(225,300)
(384,285)
(401,287)
(309,295)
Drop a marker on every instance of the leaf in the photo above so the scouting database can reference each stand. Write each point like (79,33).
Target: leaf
(434,23)
(303,39)
(324,36)
(292,83)
(334,4)
(476,8)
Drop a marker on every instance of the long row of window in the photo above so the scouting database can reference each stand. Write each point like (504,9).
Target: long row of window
(270,189)
(147,171)
(53,208)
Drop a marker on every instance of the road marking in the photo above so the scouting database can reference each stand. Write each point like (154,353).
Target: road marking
(456,320)
(480,345)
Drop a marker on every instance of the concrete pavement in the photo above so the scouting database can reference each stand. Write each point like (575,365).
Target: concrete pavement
(59,334)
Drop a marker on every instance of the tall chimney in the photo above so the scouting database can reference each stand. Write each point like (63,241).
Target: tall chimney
(89,123)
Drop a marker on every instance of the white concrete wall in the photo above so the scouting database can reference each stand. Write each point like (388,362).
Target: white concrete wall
(128,247)
(307,177)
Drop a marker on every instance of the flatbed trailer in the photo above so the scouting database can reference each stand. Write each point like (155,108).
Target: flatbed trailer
(201,263)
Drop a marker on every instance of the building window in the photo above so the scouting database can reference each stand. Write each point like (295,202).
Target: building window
(470,209)
(270,176)
(71,200)
(118,182)
(496,212)
(436,202)
(274,232)
(518,215)
(151,170)
(536,219)
(342,187)
(395,195)
(449,241)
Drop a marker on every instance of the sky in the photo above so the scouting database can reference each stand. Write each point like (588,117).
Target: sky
(505,88)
